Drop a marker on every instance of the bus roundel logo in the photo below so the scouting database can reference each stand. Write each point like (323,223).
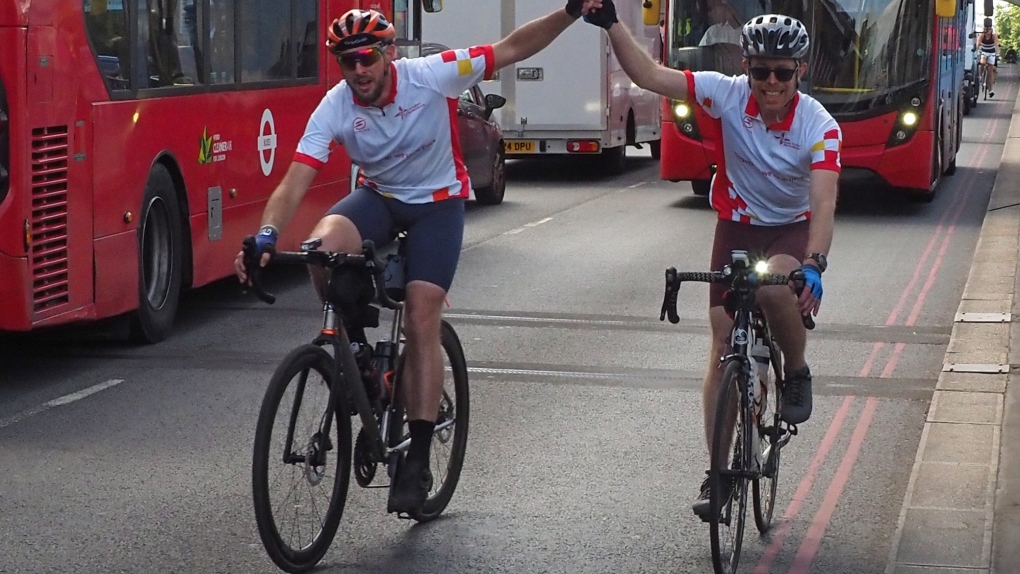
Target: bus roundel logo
(267,142)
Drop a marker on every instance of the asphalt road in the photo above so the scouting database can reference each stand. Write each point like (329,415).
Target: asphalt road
(585,448)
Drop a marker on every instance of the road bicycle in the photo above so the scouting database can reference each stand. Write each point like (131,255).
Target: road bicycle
(751,391)
(310,449)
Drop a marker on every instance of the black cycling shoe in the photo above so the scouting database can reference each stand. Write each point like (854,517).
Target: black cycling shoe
(703,505)
(414,481)
(796,406)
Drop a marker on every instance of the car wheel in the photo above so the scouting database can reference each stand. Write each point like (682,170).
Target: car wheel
(494,192)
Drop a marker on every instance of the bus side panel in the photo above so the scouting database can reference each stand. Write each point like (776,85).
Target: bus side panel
(276,118)
(60,212)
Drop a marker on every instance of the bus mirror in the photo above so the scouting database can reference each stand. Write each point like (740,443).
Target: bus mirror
(432,5)
(650,10)
(945,8)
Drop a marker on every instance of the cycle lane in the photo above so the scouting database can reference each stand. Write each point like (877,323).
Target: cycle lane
(959,512)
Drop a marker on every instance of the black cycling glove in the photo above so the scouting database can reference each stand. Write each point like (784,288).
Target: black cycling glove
(603,17)
(574,8)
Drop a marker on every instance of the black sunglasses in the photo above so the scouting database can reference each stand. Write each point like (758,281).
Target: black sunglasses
(366,57)
(761,73)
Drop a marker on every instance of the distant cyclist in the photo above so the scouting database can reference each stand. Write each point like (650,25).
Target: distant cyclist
(775,190)
(397,119)
(988,47)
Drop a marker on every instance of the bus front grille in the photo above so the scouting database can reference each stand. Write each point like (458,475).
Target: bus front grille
(49,218)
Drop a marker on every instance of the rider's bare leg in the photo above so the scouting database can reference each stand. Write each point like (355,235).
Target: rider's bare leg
(338,234)
(780,307)
(423,368)
(721,327)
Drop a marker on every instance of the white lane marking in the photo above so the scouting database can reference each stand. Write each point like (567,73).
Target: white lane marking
(59,401)
(537,223)
(540,319)
(527,225)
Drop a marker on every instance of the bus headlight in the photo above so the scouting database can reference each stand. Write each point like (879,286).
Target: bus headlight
(683,117)
(904,128)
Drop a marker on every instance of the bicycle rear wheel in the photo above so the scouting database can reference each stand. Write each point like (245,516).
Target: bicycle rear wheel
(764,487)
(449,443)
(305,487)
(728,496)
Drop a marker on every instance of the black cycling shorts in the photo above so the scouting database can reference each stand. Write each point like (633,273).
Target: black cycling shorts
(435,231)
(759,241)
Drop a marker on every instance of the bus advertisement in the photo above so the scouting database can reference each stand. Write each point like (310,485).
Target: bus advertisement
(139,142)
(889,71)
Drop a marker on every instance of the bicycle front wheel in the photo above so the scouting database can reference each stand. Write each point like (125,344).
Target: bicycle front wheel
(449,442)
(728,486)
(300,481)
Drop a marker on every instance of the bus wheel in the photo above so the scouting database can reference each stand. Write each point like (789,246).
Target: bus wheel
(160,259)
(656,149)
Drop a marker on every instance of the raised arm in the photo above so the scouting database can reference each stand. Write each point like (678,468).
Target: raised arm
(637,63)
(533,37)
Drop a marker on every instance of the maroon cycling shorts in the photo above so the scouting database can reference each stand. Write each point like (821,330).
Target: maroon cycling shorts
(759,241)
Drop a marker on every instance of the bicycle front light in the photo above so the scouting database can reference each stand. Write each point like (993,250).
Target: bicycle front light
(761,267)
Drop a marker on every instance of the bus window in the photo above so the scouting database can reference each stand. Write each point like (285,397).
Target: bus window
(221,41)
(106,24)
(265,41)
(306,31)
(169,48)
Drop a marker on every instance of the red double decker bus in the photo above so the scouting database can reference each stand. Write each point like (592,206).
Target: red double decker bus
(889,71)
(140,140)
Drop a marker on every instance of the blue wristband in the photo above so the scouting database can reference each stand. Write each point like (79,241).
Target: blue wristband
(265,240)
(813,279)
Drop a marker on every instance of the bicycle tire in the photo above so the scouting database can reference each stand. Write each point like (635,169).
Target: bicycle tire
(299,361)
(440,496)
(763,488)
(734,508)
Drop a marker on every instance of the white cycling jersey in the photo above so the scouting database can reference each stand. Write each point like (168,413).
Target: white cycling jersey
(408,149)
(763,176)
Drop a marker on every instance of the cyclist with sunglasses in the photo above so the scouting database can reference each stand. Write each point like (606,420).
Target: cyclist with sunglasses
(774,190)
(397,119)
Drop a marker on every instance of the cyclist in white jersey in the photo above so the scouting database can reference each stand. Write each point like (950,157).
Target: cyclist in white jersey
(397,119)
(774,188)
(988,48)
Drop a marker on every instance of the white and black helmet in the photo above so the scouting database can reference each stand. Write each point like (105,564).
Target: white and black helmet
(774,36)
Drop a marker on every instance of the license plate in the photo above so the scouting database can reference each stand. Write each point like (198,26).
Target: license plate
(519,146)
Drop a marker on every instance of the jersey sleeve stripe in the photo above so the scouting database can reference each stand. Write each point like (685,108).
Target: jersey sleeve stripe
(449,56)
(819,146)
(691,94)
(308,160)
(490,58)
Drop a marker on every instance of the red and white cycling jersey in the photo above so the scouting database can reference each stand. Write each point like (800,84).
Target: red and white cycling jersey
(409,149)
(763,177)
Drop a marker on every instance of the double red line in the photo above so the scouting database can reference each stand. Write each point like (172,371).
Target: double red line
(812,540)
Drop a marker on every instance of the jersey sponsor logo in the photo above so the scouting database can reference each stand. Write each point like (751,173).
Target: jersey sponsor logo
(360,125)
(786,142)
(748,122)
(404,112)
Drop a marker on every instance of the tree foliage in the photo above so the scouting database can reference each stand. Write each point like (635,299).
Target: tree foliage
(1007,24)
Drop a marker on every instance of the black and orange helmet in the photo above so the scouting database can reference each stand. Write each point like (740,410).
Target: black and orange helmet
(357,28)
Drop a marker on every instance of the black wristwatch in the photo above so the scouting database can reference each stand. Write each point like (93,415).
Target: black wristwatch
(820,259)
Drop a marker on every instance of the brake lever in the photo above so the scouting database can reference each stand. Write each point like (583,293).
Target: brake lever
(254,270)
(669,297)
(799,282)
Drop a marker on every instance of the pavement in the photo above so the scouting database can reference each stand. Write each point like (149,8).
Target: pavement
(961,510)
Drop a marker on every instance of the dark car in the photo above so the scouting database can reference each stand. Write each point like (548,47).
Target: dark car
(481,139)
